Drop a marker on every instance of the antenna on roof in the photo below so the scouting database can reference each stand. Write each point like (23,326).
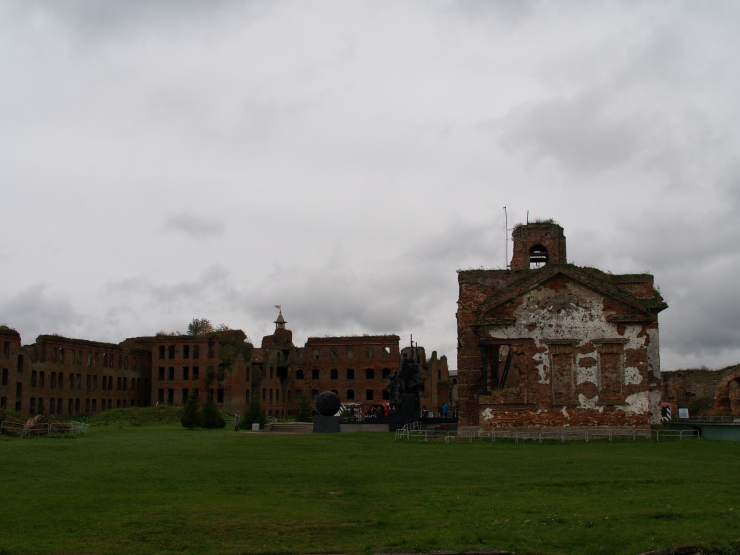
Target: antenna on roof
(527,217)
(506,240)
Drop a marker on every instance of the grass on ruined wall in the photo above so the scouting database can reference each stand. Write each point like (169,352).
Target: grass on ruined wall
(170,490)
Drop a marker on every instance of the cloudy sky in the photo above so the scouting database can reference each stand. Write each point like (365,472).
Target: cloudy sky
(164,160)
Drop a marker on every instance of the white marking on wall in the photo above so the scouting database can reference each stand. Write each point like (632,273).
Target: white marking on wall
(632,375)
(565,413)
(588,402)
(638,403)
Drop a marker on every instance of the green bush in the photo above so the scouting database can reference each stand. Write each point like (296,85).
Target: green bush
(254,413)
(190,413)
(210,416)
(304,411)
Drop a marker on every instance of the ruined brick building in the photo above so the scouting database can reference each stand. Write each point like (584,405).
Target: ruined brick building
(546,343)
(58,375)
(704,392)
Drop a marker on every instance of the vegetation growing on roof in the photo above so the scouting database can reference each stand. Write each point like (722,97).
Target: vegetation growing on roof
(536,221)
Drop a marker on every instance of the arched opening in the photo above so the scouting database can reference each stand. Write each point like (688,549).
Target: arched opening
(538,256)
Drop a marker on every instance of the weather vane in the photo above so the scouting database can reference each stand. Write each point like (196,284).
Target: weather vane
(279,307)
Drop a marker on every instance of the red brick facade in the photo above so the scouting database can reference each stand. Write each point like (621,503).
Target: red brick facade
(558,345)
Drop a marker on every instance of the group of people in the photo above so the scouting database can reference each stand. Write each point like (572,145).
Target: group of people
(442,411)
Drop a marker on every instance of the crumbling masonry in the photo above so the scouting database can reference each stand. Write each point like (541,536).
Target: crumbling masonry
(546,343)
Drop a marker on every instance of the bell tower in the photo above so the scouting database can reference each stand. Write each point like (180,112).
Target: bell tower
(537,244)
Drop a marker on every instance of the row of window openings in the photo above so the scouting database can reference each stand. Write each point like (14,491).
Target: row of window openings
(75,381)
(186,374)
(170,351)
(58,354)
(73,405)
(184,395)
(349,395)
(6,349)
(385,352)
(334,374)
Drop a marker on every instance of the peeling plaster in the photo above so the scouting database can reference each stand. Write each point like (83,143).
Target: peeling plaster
(589,403)
(654,402)
(565,413)
(637,403)
(632,375)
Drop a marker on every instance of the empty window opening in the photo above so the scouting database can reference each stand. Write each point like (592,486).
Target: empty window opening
(299,374)
(161,352)
(88,382)
(220,395)
(264,394)
(350,353)
(33,378)
(17,406)
(70,406)
(18,389)
(196,351)
(95,405)
(334,374)
(160,396)
(350,394)
(315,354)
(53,354)
(270,397)
(95,359)
(5,377)
(61,381)
(369,352)
(386,352)
(89,359)
(386,373)
(386,395)
(289,395)
(41,405)
(125,363)
(439,375)
(186,351)
(120,361)
(20,363)
(247,395)
(538,256)
(6,349)
(195,372)
(87,406)
(78,382)
(52,380)
(334,354)
(282,373)
(298,394)
(59,406)
(61,355)
(71,381)
(171,373)
(77,406)
(211,349)
(170,396)
(171,352)
(32,406)
(105,360)
(314,394)
(110,383)
(369,374)
(118,403)
(277,395)
(160,373)
(314,374)
(3,402)
(125,384)
(185,373)
(118,384)
(369,395)
(184,396)
(350,374)
(41,379)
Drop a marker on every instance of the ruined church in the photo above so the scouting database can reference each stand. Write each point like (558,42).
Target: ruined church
(546,343)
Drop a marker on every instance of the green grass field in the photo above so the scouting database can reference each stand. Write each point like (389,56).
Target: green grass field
(169,490)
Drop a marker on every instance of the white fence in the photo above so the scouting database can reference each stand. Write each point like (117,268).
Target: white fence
(561,434)
(23,430)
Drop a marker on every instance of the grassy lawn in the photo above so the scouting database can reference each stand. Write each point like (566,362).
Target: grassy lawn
(169,490)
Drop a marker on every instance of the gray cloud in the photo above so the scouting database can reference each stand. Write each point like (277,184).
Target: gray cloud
(194,225)
(34,311)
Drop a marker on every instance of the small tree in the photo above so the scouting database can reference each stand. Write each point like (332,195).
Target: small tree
(210,417)
(254,413)
(190,413)
(200,326)
(303,412)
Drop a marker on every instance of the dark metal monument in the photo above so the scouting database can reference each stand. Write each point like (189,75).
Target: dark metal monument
(327,405)
(403,390)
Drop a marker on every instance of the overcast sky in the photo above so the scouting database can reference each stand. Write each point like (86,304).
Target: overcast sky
(164,160)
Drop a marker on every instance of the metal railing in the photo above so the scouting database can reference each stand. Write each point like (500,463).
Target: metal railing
(561,434)
(708,419)
(24,430)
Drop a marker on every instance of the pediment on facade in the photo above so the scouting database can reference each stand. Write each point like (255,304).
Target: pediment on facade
(498,309)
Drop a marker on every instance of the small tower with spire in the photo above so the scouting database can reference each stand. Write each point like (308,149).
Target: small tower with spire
(282,336)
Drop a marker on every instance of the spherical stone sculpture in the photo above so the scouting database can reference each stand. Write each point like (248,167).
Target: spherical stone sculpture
(328,403)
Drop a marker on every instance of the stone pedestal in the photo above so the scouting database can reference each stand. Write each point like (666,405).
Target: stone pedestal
(326,424)
(407,414)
